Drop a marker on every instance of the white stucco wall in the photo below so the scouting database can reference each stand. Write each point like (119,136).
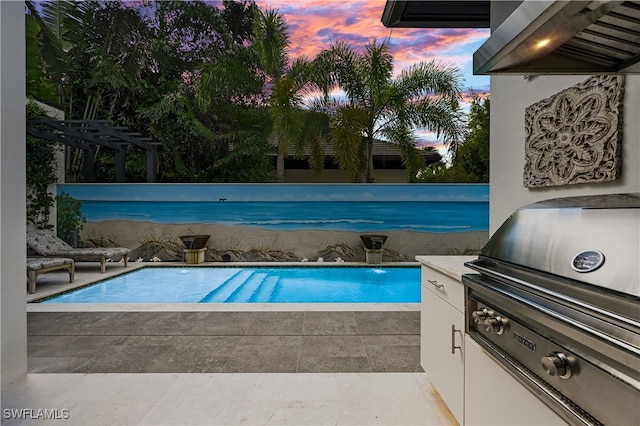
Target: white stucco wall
(13,252)
(510,95)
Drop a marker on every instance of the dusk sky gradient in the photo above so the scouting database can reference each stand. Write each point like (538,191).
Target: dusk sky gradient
(315,24)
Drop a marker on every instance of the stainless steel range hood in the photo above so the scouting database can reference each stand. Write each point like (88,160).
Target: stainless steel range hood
(564,37)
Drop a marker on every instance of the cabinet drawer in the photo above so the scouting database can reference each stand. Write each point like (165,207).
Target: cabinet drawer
(444,286)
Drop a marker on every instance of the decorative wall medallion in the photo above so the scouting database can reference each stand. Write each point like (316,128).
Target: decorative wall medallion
(575,136)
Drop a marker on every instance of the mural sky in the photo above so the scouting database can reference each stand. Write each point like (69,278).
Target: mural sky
(315,24)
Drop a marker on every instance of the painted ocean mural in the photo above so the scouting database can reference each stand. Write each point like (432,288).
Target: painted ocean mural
(342,207)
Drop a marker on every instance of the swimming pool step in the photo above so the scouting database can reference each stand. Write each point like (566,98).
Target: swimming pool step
(224,290)
(244,292)
(263,293)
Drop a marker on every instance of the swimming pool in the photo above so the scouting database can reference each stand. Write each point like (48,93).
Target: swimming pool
(304,284)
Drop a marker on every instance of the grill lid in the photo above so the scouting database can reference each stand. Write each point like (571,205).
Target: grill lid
(594,240)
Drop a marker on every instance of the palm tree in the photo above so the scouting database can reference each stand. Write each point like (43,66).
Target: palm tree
(291,126)
(377,106)
(282,86)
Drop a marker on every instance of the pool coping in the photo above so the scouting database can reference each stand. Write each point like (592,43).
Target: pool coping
(208,307)
(218,307)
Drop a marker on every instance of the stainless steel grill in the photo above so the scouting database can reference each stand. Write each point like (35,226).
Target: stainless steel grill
(555,300)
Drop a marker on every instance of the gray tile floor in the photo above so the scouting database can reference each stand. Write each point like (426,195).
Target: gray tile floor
(224,342)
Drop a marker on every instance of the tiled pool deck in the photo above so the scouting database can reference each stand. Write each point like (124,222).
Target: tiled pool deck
(214,364)
(223,342)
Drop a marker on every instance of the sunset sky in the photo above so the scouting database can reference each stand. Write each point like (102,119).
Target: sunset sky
(315,24)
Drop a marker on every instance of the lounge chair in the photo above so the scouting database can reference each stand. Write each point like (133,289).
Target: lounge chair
(40,265)
(46,244)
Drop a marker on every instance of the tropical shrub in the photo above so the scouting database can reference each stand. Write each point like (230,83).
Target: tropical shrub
(470,162)
(41,173)
(70,217)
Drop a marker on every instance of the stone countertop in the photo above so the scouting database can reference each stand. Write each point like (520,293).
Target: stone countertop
(452,266)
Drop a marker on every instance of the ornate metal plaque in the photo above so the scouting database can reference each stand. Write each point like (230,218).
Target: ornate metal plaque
(575,136)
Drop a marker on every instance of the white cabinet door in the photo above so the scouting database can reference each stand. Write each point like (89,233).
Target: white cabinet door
(441,328)
(494,397)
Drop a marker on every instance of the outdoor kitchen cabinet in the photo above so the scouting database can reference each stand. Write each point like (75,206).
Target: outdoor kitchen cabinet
(493,396)
(442,329)
(475,388)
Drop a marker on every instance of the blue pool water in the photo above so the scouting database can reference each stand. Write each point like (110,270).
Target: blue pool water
(254,285)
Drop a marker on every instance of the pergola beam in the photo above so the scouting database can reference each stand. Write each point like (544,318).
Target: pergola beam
(125,137)
(98,132)
(77,132)
(56,137)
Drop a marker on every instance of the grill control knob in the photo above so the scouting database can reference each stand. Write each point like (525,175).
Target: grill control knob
(494,325)
(557,364)
(480,315)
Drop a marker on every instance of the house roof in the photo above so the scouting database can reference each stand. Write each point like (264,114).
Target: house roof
(436,14)
(380,149)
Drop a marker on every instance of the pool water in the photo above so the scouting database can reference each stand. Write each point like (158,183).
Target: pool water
(254,285)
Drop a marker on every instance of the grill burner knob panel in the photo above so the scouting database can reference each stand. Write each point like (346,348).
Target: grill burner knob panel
(557,364)
(495,325)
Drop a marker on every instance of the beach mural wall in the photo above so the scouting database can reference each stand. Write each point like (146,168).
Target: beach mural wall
(285,221)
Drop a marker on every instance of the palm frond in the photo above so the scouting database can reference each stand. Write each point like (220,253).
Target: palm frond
(431,78)
(302,72)
(271,41)
(402,137)
(38,85)
(317,156)
(314,138)
(347,130)
(50,39)
(440,118)
(286,114)
(349,70)
(378,63)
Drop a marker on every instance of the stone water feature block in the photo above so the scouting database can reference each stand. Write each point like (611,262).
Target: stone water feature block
(373,256)
(195,248)
(193,257)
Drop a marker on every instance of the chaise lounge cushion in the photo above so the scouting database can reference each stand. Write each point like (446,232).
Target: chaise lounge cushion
(45,243)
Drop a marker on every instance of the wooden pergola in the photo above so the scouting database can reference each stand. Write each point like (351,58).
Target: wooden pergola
(87,135)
